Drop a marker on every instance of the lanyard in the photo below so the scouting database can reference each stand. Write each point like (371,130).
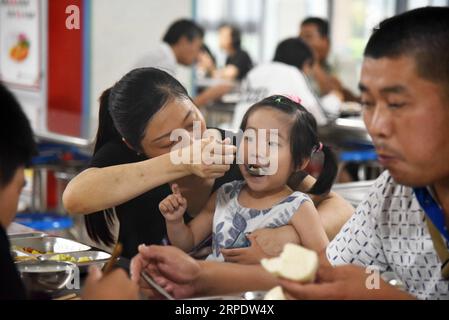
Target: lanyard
(432,210)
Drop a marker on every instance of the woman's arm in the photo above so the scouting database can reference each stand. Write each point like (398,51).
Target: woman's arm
(98,189)
(332,208)
(183,236)
(307,224)
(333,211)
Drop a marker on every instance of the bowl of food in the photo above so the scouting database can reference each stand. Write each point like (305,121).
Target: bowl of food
(82,259)
(45,276)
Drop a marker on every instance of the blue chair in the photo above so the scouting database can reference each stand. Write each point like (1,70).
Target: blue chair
(58,159)
(366,158)
(44,221)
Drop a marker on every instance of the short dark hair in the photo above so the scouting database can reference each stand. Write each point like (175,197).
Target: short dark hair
(183,28)
(422,34)
(294,52)
(236,35)
(17,145)
(321,24)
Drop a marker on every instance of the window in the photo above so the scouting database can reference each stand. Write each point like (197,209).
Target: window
(263,22)
(352,25)
(412,4)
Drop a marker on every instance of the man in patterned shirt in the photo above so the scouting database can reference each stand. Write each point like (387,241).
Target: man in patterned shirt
(405,94)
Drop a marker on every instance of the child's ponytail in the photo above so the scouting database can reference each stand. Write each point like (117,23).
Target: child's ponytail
(328,173)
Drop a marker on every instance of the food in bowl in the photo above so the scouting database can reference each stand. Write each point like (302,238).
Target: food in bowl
(30,250)
(68,257)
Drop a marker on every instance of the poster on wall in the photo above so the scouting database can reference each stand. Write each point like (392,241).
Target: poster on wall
(20,43)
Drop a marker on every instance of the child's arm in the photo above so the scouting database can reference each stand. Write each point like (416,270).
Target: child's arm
(307,224)
(183,236)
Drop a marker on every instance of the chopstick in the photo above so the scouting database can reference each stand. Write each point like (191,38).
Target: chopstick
(157,287)
(114,257)
(71,296)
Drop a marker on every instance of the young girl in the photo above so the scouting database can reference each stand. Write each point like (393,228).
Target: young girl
(260,201)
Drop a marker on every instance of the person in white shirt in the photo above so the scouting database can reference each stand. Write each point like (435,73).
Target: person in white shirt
(181,45)
(285,75)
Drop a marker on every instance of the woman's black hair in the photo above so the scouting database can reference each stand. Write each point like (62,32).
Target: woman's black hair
(125,110)
(294,52)
(304,141)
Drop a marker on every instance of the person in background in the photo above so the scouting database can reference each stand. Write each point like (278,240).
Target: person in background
(181,44)
(286,74)
(206,62)
(315,32)
(238,62)
(17,146)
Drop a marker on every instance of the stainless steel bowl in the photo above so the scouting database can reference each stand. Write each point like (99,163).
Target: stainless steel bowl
(45,276)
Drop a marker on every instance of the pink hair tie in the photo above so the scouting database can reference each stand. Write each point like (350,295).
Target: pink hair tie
(293,98)
(319,147)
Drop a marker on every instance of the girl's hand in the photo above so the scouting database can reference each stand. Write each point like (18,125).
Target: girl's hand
(174,206)
(209,158)
(250,255)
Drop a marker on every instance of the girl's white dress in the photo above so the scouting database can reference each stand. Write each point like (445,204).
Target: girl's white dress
(232,221)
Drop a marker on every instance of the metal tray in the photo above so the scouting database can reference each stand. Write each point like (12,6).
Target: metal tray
(49,245)
(99,258)
(27,235)
(19,256)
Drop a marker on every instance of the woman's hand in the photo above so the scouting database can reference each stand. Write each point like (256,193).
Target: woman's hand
(272,241)
(114,286)
(208,158)
(170,267)
(174,206)
(251,255)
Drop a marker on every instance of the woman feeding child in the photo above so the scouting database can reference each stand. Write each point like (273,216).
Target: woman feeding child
(263,198)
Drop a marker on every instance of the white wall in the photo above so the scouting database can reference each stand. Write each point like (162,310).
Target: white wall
(122,31)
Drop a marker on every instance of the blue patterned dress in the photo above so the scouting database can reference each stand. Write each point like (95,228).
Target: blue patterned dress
(232,221)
